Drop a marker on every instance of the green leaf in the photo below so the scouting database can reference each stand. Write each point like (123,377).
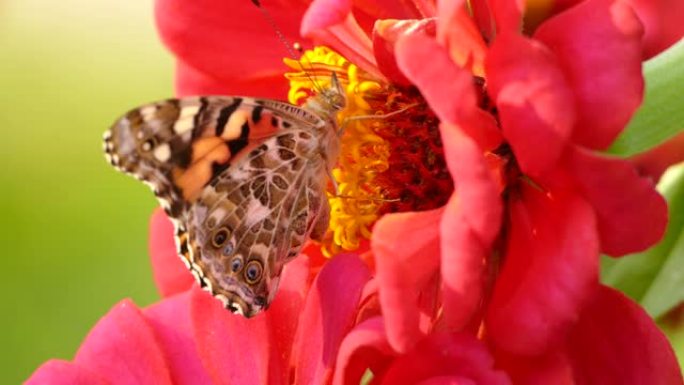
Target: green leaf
(661,116)
(655,277)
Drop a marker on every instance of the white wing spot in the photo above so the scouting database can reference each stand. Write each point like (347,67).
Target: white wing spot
(148,112)
(183,125)
(162,152)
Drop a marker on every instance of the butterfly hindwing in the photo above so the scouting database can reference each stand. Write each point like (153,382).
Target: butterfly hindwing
(257,216)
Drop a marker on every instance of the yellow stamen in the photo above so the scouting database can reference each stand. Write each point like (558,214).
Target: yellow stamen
(364,154)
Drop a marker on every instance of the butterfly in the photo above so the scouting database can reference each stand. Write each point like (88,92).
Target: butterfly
(243,180)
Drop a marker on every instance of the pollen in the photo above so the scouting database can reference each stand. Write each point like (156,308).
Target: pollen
(386,164)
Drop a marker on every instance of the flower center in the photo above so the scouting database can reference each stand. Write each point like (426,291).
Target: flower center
(388,164)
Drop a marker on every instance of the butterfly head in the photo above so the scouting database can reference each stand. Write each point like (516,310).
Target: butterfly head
(333,97)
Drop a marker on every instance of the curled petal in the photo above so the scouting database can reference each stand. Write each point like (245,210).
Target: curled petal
(407,252)
(226,40)
(123,349)
(364,348)
(58,372)
(454,355)
(447,88)
(616,343)
(535,104)
(598,45)
(343,34)
(469,225)
(655,161)
(549,270)
(172,326)
(170,275)
(662,21)
(233,349)
(631,214)
(386,33)
(328,314)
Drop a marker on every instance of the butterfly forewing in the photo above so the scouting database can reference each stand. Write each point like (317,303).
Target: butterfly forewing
(243,179)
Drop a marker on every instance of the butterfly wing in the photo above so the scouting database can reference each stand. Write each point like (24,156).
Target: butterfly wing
(242,179)
(256,216)
(177,146)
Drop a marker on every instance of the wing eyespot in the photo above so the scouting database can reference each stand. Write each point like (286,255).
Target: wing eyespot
(236,264)
(220,237)
(253,272)
(148,145)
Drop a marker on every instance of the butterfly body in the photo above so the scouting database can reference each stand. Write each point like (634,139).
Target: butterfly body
(244,181)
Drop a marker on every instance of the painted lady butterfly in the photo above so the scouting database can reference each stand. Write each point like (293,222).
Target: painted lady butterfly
(243,179)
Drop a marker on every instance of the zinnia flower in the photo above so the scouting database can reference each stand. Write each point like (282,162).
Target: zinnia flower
(487,200)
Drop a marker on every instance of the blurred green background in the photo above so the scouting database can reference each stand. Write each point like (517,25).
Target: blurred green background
(73,230)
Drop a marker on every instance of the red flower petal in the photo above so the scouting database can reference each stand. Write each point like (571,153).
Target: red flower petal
(457,355)
(386,33)
(446,87)
(191,81)
(535,105)
(598,44)
(364,348)
(631,214)
(616,342)
(551,368)
(322,14)
(470,224)
(549,270)
(170,274)
(233,349)
(172,325)
(58,372)
(284,313)
(123,349)
(228,39)
(329,313)
(407,252)
(662,21)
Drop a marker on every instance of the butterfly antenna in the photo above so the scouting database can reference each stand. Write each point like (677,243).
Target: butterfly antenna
(288,46)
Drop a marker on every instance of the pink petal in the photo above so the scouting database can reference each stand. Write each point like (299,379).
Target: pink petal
(386,33)
(284,313)
(631,214)
(322,14)
(447,88)
(172,326)
(598,45)
(662,21)
(347,38)
(551,368)
(507,15)
(457,32)
(616,342)
(367,12)
(469,225)
(329,313)
(233,349)
(228,39)
(535,104)
(364,348)
(549,269)
(123,349)
(407,251)
(58,372)
(170,274)
(456,355)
